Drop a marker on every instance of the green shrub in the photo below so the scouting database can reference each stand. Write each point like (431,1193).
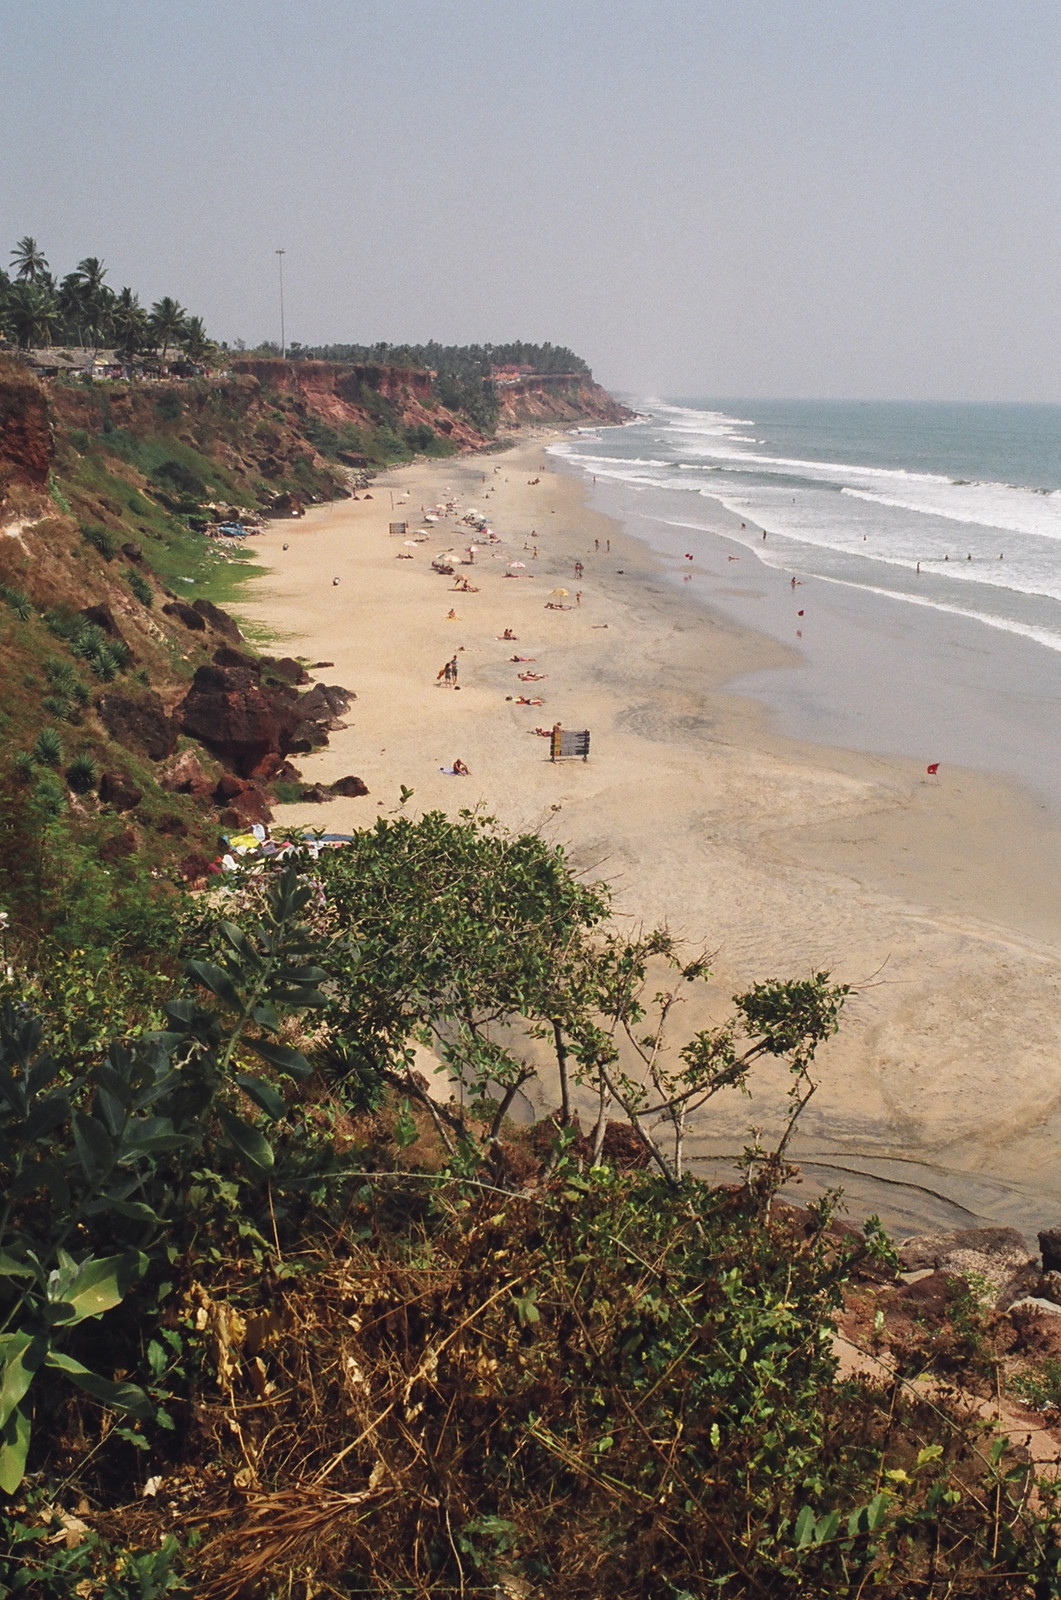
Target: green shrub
(49,795)
(81,774)
(175,475)
(100,539)
(60,706)
(19,601)
(140,586)
(24,765)
(48,749)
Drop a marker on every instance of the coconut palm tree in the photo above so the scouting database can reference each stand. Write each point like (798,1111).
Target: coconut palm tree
(195,341)
(74,309)
(30,313)
(129,322)
(167,320)
(28,260)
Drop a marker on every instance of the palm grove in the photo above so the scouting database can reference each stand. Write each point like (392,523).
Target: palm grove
(38,308)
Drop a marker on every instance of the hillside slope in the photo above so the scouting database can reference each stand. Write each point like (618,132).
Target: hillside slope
(143,725)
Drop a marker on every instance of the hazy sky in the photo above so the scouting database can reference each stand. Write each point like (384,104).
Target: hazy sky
(728,197)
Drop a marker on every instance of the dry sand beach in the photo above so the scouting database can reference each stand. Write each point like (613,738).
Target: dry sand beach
(937,900)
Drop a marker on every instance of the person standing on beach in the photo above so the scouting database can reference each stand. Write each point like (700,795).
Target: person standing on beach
(453,672)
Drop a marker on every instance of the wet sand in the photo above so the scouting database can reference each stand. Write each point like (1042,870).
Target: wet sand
(938,900)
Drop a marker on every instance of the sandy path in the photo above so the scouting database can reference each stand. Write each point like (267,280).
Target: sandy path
(784,858)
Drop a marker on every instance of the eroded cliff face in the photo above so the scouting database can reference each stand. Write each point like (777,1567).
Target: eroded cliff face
(338,393)
(352,394)
(558,397)
(27,441)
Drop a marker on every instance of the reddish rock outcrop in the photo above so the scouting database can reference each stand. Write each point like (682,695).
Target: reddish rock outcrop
(187,614)
(116,790)
(349,787)
(140,724)
(26,429)
(229,712)
(185,775)
(244,802)
(219,620)
(251,725)
(286,668)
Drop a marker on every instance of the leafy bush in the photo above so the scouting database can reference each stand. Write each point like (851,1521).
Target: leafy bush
(48,749)
(169,406)
(100,539)
(104,655)
(19,601)
(59,706)
(175,475)
(82,774)
(105,1159)
(420,437)
(140,586)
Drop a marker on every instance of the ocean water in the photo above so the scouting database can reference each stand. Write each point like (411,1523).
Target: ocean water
(862,493)
(926,541)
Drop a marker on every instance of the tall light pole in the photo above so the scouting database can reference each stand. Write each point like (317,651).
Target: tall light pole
(280,254)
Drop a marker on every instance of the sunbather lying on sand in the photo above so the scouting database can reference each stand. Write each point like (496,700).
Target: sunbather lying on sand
(521,700)
(521,658)
(531,677)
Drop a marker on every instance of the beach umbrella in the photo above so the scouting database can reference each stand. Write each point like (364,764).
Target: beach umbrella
(413,542)
(560,594)
(517,564)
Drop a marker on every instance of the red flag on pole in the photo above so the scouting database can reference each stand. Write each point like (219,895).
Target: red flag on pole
(932,769)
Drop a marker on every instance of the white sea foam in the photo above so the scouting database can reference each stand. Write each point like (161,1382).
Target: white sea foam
(1004,506)
(1043,636)
(863,520)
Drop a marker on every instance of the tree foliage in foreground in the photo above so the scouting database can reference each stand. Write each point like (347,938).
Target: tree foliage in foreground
(487,947)
(222,1289)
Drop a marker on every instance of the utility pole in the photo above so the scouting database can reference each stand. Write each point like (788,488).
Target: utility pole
(280,254)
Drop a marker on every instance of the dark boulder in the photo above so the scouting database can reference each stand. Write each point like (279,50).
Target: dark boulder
(246,808)
(349,787)
(132,551)
(997,1255)
(251,725)
(219,620)
(171,826)
(140,724)
(229,711)
(316,793)
(286,668)
(103,617)
(185,613)
(930,1297)
(226,656)
(320,713)
(195,868)
(116,790)
(1050,1246)
(119,845)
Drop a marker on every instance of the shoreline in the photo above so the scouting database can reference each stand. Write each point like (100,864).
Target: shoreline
(786,857)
